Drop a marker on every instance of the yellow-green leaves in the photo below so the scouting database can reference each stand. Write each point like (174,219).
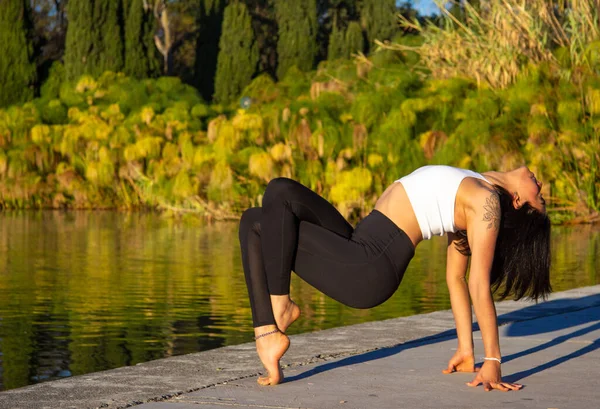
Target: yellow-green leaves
(350,188)
(262,166)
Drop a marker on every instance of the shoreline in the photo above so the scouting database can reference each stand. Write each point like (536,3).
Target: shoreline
(175,377)
(209,218)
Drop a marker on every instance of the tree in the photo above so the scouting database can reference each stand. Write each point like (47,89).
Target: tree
(79,42)
(141,56)
(207,45)
(355,41)
(343,43)
(50,24)
(297,44)
(238,53)
(94,40)
(378,19)
(337,44)
(176,36)
(109,31)
(265,30)
(17,65)
(333,16)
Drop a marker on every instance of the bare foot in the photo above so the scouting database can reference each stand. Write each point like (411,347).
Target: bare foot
(285,311)
(270,349)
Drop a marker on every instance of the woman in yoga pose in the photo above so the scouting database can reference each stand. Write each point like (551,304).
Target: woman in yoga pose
(498,219)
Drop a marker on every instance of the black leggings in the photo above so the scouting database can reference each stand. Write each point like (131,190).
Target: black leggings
(296,229)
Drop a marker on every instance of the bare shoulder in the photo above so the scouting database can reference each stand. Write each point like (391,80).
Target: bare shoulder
(482,205)
(490,210)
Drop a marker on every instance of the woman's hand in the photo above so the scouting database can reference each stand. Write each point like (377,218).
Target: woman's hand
(490,376)
(461,362)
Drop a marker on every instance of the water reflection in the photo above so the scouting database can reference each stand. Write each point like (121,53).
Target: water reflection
(87,291)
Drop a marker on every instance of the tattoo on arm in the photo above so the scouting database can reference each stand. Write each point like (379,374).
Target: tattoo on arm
(492,212)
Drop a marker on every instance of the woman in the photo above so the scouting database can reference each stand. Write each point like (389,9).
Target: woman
(496,218)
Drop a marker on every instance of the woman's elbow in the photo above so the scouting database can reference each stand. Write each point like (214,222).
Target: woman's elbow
(479,289)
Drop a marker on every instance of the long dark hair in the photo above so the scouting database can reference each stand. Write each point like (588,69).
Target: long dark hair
(521,264)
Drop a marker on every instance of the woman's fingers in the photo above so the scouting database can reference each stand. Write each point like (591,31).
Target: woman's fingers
(502,386)
(499,386)
(475,382)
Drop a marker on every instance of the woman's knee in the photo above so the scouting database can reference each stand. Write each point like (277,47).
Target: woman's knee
(280,188)
(248,220)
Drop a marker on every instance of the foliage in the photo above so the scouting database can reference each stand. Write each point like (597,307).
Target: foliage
(207,45)
(17,62)
(79,38)
(109,27)
(354,38)
(344,43)
(296,46)
(337,44)
(94,41)
(50,22)
(496,42)
(56,77)
(141,57)
(238,55)
(378,19)
(346,130)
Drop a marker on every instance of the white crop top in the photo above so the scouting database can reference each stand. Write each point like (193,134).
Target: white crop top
(432,191)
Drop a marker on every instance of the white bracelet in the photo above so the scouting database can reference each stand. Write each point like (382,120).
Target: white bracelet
(485,358)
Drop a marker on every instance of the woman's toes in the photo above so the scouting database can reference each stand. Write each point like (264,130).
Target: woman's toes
(270,380)
(264,380)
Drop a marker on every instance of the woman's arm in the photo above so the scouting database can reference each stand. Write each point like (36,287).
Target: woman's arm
(483,227)
(456,269)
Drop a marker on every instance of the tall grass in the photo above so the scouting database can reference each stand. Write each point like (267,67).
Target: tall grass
(501,39)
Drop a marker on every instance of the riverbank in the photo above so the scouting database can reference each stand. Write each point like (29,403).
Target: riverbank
(346,131)
(551,348)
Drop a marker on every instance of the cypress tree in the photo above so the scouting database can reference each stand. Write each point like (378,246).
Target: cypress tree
(297,45)
(337,44)
(94,41)
(207,46)
(378,19)
(238,53)
(333,15)
(141,56)
(355,41)
(17,65)
(79,44)
(109,18)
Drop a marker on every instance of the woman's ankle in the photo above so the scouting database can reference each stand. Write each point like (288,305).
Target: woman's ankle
(280,300)
(280,304)
(264,329)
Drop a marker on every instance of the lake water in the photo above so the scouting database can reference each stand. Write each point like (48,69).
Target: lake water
(87,291)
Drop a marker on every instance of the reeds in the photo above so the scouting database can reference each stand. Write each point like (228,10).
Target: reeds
(501,39)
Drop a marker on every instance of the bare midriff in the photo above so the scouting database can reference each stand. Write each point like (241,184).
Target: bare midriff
(394,203)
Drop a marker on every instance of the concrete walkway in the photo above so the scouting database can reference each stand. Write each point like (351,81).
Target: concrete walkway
(552,348)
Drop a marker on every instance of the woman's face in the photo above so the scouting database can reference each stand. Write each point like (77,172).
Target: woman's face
(529,190)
